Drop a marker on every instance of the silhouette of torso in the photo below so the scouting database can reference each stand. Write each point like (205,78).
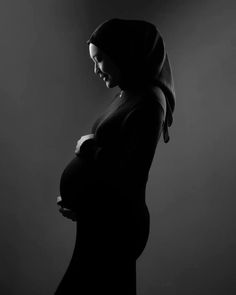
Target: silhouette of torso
(108,183)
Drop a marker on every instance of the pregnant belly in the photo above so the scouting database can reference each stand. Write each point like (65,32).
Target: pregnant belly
(76,182)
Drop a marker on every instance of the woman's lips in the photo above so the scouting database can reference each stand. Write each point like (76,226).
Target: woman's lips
(103,77)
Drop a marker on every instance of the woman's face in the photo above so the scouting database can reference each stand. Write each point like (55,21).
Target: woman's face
(104,66)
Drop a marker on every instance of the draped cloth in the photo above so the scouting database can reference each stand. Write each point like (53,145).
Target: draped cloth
(138,49)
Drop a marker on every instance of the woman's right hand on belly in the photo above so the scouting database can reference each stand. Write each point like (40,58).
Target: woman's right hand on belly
(81,140)
(68,213)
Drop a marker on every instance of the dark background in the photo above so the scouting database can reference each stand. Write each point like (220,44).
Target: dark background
(50,98)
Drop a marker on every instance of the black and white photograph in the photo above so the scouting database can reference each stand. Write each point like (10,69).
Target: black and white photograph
(117,140)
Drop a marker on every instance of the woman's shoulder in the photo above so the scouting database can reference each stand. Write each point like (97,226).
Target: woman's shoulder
(160,98)
(146,111)
(149,103)
(154,98)
(157,97)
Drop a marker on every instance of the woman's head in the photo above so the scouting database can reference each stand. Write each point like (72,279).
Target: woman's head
(134,56)
(104,66)
(129,45)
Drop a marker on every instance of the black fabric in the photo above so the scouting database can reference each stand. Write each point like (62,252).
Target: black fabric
(106,183)
(138,49)
(113,219)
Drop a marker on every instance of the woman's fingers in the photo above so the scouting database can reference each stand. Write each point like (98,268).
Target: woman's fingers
(81,140)
(59,199)
(87,136)
(79,143)
(68,213)
(77,148)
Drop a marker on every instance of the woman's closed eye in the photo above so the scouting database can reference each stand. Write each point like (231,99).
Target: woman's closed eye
(98,59)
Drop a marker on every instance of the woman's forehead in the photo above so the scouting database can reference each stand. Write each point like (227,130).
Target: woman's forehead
(94,50)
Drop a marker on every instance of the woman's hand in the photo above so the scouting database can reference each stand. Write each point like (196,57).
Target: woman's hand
(68,213)
(81,140)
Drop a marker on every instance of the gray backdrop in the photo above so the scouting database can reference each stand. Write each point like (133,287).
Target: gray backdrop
(50,97)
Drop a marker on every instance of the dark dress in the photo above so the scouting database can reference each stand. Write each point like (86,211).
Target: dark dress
(108,181)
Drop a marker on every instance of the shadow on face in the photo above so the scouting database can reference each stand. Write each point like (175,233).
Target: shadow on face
(104,67)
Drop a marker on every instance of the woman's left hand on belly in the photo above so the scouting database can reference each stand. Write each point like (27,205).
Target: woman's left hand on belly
(68,213)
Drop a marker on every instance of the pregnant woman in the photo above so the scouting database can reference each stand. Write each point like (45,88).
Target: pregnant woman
(103,187)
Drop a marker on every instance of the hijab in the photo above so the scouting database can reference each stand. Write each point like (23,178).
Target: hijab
(138,49)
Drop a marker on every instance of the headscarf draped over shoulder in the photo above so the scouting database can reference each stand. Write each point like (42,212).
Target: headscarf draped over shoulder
(138,49)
